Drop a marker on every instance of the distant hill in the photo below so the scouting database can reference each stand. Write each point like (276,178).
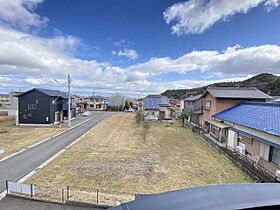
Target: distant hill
(267,83)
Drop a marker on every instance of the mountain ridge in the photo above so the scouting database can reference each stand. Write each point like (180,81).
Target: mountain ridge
(268,83)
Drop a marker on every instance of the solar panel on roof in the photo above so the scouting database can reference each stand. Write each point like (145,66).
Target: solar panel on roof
(154,102)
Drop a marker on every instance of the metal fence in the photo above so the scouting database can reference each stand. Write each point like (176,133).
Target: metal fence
(77,194)
(248,164)
(253,164)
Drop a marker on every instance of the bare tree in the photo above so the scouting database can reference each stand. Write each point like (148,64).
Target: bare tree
(146,126)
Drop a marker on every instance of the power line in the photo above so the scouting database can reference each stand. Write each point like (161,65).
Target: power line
(60,82)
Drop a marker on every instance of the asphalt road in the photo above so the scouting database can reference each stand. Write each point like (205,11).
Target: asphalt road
(20,164)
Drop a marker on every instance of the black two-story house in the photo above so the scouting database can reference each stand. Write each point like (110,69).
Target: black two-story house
(42,107)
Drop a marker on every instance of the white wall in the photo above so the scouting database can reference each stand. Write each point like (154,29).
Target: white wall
(182,105)
(151,114)
(232,139)
(167,112)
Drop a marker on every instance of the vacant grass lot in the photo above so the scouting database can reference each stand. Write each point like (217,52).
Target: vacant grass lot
(14,139)
(114,156)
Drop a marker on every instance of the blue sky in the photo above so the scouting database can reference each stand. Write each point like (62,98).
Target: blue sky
(136,47)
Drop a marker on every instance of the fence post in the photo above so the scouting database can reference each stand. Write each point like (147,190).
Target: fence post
(31,190)
(7,188)
(96,196)
(67,196)
(62,195)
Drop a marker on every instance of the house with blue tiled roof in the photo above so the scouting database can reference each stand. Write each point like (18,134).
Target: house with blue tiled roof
(253,129)
(156,107)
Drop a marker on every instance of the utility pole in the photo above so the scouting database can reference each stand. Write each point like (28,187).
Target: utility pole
(69,102)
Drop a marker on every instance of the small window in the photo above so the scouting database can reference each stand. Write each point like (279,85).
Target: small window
(36,101)
(33,106)
(153,113)
(25,116)
(47,118)
(207,105)
(29,115)
(274,155)
(29,106)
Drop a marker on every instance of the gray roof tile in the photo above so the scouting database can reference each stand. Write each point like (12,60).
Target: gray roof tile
(193,98)
(232,92)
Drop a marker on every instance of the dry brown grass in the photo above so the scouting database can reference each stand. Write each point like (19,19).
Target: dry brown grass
(114,156)
(14,138)
(6,118)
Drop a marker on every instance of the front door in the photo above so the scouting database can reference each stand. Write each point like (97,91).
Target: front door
(161,114)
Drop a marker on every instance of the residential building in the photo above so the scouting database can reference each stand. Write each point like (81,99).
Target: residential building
(117,100)
(253,129)
(42,107)
(193,108)
(217,99)
(4,99)
(94,102)
(90,103)
(156,107)
(77,100)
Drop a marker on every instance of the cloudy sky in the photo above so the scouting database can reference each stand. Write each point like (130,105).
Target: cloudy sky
(135,47)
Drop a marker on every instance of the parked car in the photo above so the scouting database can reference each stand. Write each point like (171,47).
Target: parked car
(86,114)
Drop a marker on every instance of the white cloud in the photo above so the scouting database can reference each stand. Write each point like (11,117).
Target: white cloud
(129,53)
(114,52)
(123,43)
(233,61)
(195,16)
(20,13)
(39,60)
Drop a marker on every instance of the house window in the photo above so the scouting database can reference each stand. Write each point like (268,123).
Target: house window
(29,106)
(274,155)
(34,106)
(207,105)
(25,116)
(153,113)
(29,115)
(36,101)
(245,139)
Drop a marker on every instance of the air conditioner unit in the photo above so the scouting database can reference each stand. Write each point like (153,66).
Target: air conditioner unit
(240,149)
(278,175)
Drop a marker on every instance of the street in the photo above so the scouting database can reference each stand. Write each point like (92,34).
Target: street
(20,164)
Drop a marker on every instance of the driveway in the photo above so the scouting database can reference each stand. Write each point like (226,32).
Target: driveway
(22,163)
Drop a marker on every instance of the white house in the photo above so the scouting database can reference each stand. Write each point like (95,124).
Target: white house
(156,107)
